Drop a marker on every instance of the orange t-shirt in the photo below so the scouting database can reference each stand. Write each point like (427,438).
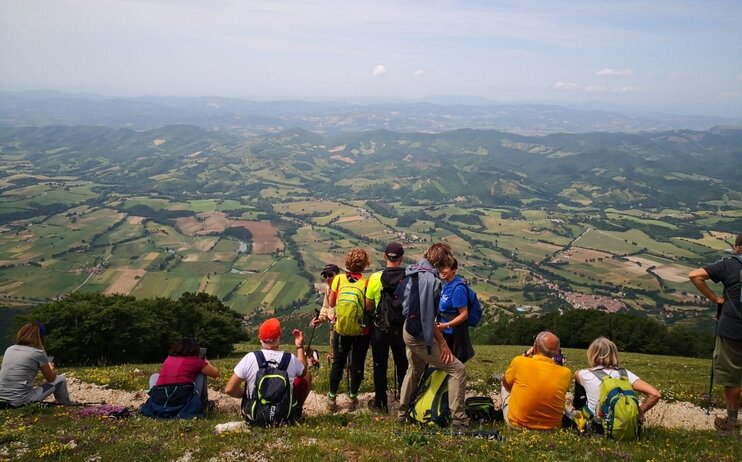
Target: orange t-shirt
(538,391)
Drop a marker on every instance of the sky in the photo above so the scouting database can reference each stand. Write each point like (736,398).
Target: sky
(669,56)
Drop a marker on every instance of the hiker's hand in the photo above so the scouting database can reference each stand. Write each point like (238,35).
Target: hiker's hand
(315,322)
(298,337)
(719,300)
(446,355)
(441,326)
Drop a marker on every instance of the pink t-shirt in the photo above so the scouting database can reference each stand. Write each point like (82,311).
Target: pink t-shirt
(180,369)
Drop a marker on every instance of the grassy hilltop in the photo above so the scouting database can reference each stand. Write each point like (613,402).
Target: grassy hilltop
(61,434)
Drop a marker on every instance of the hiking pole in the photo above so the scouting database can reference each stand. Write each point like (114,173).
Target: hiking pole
(713,361)
(314,328)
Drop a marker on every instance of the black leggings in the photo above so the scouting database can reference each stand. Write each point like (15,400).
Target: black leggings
(380,344)
(355,347)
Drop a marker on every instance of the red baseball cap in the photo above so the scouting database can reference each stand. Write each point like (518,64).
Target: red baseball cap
(270,330)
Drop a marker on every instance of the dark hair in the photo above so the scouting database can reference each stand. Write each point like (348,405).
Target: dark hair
(455,264)
(738,241)
(187,347)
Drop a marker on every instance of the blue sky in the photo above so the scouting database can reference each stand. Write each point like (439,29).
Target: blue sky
(676,56)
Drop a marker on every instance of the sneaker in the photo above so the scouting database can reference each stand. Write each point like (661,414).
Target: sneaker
(723,426)
(332,406)
(496,378)
(353,403)
(459,427)
(403,418)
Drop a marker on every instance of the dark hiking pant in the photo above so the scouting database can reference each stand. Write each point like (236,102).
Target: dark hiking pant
(381,342)
(345,346)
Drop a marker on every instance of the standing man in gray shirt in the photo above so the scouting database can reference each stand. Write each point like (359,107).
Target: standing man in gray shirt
(728,349)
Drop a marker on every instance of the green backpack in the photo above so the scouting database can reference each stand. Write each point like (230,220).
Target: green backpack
(349,307)
(618,407)
(429,403)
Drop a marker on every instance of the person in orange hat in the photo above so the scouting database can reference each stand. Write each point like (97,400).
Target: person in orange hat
(268,362)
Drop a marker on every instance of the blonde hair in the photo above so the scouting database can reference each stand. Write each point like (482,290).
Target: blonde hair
(602,352)
(357,260)
(439,255)
(29,335)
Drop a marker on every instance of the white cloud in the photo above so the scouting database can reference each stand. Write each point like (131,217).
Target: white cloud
(379,71)
(604,89)
(609,72)
(418,72)
(566,86)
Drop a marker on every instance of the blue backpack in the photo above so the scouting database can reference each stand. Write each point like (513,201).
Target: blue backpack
(473,305)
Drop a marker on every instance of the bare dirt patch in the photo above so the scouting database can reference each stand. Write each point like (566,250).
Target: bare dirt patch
(264,235)
(204,244)
(134,220)
(348,219)
(677,414)
(202,224)
(158,141)
(125,282)
(267,287)
(347,160)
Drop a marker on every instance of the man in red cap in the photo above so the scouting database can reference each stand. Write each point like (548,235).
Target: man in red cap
(296,369)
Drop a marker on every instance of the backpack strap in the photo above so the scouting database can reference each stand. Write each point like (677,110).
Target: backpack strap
(623,374)
(600,374)
(260,357)
(285,361)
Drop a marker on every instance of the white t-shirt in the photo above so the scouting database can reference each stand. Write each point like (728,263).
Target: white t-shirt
(247,368)
(591,382)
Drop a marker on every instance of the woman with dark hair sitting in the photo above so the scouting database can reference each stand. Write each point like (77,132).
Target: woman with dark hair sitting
(21,363)
(185,366)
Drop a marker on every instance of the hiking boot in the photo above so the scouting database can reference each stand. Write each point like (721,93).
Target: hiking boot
(332,406)
(722,425)
(353,404)
(459,427)
(377,409)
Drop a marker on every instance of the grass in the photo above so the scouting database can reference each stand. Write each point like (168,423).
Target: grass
(59,433)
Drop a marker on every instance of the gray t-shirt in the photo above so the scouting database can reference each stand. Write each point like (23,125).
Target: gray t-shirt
(20,365)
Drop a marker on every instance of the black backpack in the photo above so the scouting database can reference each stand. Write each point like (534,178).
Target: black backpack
(272,401)
(389,312)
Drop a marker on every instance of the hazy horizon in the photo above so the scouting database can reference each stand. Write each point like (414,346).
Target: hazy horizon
(680,57)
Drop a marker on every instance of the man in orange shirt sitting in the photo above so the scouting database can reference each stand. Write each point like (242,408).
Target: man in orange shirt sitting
(534,386)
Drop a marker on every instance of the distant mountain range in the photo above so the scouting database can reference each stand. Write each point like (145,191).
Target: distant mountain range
(435,115)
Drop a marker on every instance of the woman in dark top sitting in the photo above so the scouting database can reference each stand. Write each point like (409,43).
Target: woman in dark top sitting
(185,365)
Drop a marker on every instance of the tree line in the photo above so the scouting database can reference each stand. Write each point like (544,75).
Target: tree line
(93,329)
(578,328)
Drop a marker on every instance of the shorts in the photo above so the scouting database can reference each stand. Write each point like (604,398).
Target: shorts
(301,390)
(728,362)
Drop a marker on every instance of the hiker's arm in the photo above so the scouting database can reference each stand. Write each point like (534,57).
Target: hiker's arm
(233,387)
(333,298)
(698,277)
(577,376)
(461,317)
(369,305)
(300,354)
(47,370)
(653,395)
(446,355)
(210,371)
